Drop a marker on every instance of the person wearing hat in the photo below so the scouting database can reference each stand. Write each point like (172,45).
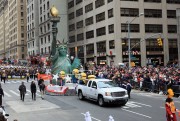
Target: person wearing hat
(170,107)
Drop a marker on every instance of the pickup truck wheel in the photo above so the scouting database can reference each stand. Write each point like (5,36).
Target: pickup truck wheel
(80,95)
(124,103)
(101,101)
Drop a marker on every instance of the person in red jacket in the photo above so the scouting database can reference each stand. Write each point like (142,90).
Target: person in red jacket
(170,107)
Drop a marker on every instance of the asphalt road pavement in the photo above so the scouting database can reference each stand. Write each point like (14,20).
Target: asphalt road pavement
(142,106)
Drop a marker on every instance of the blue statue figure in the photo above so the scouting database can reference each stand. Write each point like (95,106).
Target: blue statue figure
(61,62)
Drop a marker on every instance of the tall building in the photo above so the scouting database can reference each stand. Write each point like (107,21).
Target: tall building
(178,31)
(17,29)
(45,34)
(98,30)
(33,27)
(4,29)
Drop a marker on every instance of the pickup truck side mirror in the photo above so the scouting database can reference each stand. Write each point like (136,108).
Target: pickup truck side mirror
(94,86)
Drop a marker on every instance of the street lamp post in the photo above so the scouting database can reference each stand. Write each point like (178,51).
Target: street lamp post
(129,39)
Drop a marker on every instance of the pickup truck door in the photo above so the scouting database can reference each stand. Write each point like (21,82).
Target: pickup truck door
(93,93)
(88,88)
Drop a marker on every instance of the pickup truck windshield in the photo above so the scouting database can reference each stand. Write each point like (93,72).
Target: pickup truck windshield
(106,84)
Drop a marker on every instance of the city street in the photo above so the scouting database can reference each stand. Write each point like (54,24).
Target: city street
(142,107)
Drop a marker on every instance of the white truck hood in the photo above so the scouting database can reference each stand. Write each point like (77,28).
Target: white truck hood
(113,89)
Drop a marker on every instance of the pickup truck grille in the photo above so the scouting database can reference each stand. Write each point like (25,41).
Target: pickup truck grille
(118,94)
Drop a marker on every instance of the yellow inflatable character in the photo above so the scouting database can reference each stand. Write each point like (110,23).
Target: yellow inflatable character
(170,93)
(62,76)
(75,75)
(83,78)
(91,77)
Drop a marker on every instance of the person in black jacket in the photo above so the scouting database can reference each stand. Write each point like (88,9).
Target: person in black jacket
(1,94)
(42,89)
(22,89)
(33,90)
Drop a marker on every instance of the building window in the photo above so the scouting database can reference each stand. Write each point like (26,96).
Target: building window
(173,1)
(71,27)
(133,28)
(22,56)
(49,38)
(47,5)
(79,24)
(22,14)
(153,28)
(22,35)
(41,41)
(111,44)
(101,31)
(131,12)
(111,28)
(89,21)
(171,13)
(155,1)
(49,49)
(100,17)
(89,7)
(80,37)
(153,13)
(110,13)
(173,49)
(99,3)
(72,39)
(90,34)
(101,46)
(41,50)
(172,29)
(79,12)
(78,1)
(71,16)
(71,4)
(109,1)
(90,49)
(22,49)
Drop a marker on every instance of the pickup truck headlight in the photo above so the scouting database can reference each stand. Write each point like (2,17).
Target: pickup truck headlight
(108,93)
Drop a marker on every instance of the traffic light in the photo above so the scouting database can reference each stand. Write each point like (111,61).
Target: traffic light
(159,40)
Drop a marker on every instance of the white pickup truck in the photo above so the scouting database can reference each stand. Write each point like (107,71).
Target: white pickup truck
(103,91)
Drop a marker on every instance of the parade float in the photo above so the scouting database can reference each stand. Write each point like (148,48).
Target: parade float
(62,69)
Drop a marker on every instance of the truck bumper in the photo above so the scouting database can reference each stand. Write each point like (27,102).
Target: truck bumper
(116,100)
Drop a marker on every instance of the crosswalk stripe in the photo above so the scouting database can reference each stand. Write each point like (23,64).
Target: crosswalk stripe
(14,92)
(8,95)
(8,82)
(13,81)
(126,107)
(141,104)
(132,105)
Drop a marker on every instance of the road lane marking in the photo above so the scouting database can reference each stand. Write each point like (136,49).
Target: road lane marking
(91,117)
(14,92)
(125,107)
(8,95)
(137,113)
(141,104)
(131,105)
(162,107)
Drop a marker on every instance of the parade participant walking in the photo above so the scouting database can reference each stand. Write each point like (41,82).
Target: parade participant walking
(3,76)
(40,82)
(170,107)
(42,89)
(27,76)
(128,87)
(33,90)
(22,89)
(1,94)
